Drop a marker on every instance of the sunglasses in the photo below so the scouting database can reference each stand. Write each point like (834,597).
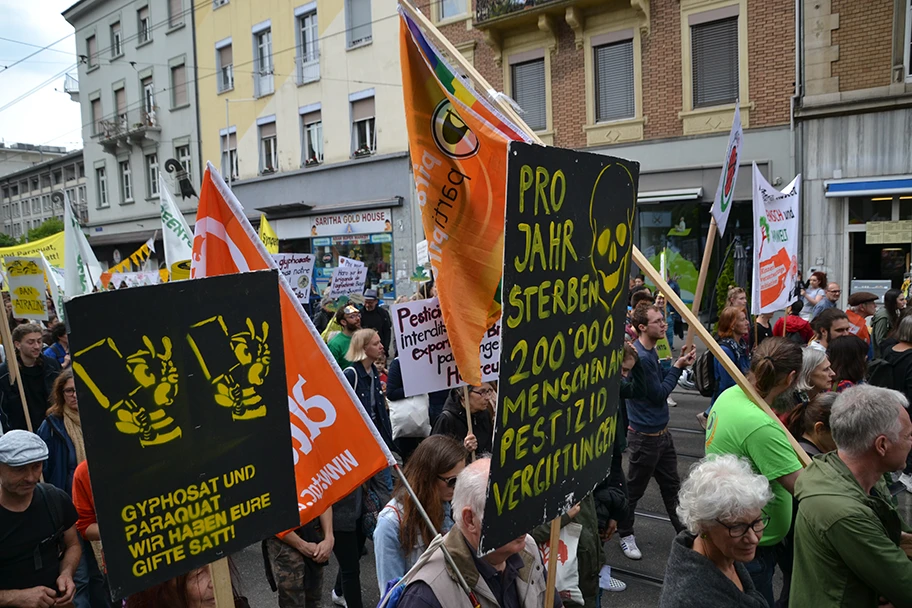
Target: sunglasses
(449,481)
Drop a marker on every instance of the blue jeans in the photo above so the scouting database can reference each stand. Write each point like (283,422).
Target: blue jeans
(91,590)
(761,571)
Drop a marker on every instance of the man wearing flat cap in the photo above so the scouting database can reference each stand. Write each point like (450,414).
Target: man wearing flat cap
(39,545)
(377,317)
(862,304)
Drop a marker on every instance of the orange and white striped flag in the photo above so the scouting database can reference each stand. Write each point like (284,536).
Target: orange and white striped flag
(336,446)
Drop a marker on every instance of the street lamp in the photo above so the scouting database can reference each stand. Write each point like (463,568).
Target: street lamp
(172,165)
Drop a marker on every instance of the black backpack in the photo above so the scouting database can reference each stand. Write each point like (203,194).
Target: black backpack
(704,375)
(796,337)
(881,373)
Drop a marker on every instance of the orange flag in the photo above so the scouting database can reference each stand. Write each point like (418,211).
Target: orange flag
(336,446)
(458,146)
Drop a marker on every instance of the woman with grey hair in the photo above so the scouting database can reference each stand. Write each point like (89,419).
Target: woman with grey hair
(816,375)
(721,505)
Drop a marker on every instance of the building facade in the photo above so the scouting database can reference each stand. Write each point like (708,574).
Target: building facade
(654,81)
(301,110)
(854,120)
(15,157)
(25,195)
(137,92)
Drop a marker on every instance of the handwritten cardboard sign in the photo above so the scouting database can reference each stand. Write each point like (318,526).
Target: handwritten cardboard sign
(425,355)
(567,245)
(348,281)
(27,287)
(186,422)
(298,269)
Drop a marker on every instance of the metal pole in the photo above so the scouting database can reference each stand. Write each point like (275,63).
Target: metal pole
(227,139)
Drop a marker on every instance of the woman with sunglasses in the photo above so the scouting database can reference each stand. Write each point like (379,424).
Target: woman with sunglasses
(453,422)
(721,504)
(402,534)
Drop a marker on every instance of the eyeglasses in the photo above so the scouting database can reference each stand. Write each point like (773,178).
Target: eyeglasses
(69,391)
(449,481)
(487,392)
(739,530)
(834,290)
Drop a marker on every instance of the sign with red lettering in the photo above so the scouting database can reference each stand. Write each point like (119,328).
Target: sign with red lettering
(775,244)
(351,222)
(425,355)
(185,418)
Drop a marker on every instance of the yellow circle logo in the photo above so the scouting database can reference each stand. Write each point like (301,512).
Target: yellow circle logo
(451,134)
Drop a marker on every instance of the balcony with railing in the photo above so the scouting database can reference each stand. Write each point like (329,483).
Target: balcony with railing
(308,67)
(226,78)
(71,87)
(133,127)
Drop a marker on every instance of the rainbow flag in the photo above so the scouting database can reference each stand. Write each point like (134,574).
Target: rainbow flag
(458,146)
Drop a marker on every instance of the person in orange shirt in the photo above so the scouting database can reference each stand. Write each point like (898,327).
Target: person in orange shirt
(862,304)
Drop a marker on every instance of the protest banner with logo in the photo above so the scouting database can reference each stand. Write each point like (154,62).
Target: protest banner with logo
(51,246)
(775,244)
(176,234)
(27,287)
(567,248)
(725,192)
(336,446)
(297,268)
(348,281)
(344,261)
(268,236)
(185,421)
(425,355)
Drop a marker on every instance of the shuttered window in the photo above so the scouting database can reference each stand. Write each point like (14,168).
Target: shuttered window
(359,22)
(175,13)
(614,88)
(92,51)
(714,52)
(529,92)
(178,86)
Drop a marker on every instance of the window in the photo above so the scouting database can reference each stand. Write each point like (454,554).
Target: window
(46,203)
(528,80)
(614,87)
(91,52)
(262,59)
(120,101)
(116,41)
(308,48)
(145,25)
(152,176)
(358,16)
(102,183)
(15,209)
(178,86)
(96,116)
(183,157)
(714,56)
(57,177)
(69,173)
(451,8)
(14,190)
(218,3)
(364,137)
(80,168)
(126,182)
(224,58)
(36,206)
(908,41)
(175,13)
(312,145)
(269,161)
(148,91)
(229,156)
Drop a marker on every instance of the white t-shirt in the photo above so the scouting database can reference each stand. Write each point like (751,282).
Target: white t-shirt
(810,292)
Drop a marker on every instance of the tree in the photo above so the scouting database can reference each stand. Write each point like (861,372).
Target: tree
(47,228)
(7,241)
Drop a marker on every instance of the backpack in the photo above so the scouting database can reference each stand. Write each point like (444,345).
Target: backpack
(795,337)
(704,375)
(880,373)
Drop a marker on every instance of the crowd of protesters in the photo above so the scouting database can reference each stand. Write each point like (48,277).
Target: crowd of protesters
(839,380)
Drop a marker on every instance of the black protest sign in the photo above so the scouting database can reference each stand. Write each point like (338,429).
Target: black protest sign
(183,403)
(567,245)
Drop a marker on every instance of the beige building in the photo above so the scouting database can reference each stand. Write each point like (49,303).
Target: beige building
(301,110)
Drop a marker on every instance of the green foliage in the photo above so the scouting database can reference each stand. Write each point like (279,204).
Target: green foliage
(726,279)
(7,241)
(47,228)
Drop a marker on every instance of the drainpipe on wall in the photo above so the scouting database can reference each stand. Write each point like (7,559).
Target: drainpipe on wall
(796,151)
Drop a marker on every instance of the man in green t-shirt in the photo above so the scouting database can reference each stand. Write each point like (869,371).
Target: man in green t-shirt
(350,319)
(737,426)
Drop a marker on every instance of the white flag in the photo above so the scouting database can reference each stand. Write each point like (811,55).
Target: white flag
(726,190)
(81,268)
(775,244)
(54,281)
(175,232)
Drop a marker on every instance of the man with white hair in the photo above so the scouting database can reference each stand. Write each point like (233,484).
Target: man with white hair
(511,576)
(849,539)
(39,545)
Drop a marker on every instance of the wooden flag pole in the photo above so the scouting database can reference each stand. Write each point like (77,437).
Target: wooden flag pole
(221,583)
(553,550)
(13,365)
(701,281)
(748,388)
(468,410)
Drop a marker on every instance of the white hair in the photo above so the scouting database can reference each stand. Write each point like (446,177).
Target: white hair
(471,485)
(720,487)
(863,413)
(810,359)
